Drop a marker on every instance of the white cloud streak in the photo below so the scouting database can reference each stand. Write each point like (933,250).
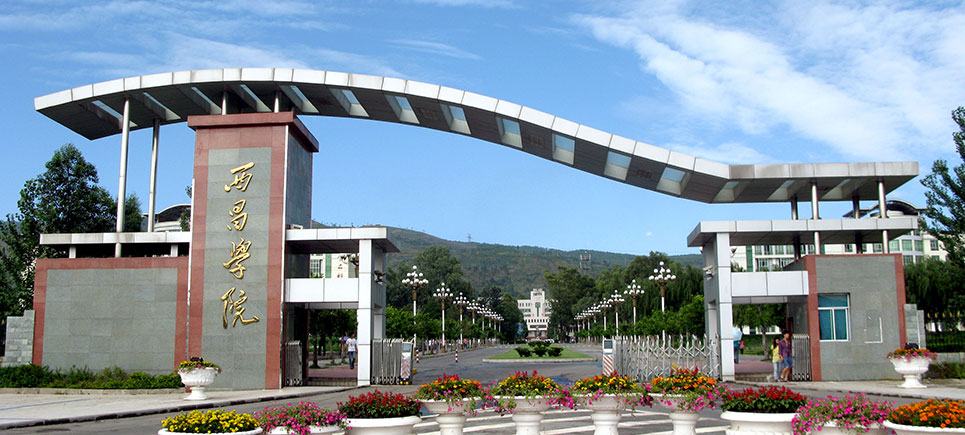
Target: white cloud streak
(436,48)
(871,82)
(730,152)
(479,3)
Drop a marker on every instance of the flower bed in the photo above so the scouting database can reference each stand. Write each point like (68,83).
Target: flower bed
(907,354)
(687,390)
(770,400)
(627,389)
(522,384)
(852,413)
(379,405)
(930,413)
(191,365)
(299,418)
(210,421)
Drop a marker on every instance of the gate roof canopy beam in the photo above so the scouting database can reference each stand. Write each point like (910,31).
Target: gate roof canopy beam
(535,132)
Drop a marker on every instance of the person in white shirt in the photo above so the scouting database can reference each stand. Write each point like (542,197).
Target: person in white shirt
(738,335)
(352,345)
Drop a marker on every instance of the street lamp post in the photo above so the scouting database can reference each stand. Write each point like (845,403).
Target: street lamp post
(442,293)
(462,301)
(615,300)
(662,277)
(414,280)
(634,290)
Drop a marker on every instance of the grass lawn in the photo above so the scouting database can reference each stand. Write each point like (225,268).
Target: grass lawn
(511,354)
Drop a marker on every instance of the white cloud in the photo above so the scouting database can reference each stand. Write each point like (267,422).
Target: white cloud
(872,82)
(434,48)
(730,152)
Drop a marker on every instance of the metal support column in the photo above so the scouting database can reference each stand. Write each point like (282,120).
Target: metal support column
(122,179)
(151,199)
(277,101)
(224,102)
(883,214)
(815,215)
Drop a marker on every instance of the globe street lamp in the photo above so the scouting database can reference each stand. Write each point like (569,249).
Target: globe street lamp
(442,293)
(414,281)
(634,290)
(662,277)
(615,299)
(462,301)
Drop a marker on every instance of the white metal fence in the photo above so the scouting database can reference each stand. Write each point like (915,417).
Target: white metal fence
(647,357)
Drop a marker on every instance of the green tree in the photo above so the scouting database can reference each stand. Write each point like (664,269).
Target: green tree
(330,323)
(512,316)
(569,291)
(931,284)
(399,323)
(944,216)
(63,199)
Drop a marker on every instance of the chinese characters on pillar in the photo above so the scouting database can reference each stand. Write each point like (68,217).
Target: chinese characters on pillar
(238,254)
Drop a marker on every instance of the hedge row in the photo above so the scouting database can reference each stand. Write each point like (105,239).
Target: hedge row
(34,376)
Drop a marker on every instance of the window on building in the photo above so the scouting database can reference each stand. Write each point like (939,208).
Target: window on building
(919,245)
(849,248)
(758,250)
(934,244)
(878,247)
(908,259)
(833,317)
(906,245)
(894,246)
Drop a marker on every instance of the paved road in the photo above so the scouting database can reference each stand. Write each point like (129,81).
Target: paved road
(648,420)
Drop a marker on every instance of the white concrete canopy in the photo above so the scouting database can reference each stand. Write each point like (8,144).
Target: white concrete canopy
(94,111)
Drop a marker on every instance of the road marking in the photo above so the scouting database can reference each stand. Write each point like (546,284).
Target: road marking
(42,404)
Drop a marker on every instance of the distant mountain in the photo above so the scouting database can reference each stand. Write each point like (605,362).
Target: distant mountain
(516,269)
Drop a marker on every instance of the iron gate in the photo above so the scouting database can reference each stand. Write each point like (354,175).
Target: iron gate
(647,357)
(801,356)
(293,363)
(386,361)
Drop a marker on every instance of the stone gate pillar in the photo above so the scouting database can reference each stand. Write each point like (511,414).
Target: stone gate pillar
(252,180)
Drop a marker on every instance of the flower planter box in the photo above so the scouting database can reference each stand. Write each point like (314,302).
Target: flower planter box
(452,416)
(757,423)
(383,426)
(901,429)
(528,414)
(911,368)
(197,380)
(254,431)
(607,411)
(311,429)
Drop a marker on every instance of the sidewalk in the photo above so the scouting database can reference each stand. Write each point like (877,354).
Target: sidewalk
(22,410)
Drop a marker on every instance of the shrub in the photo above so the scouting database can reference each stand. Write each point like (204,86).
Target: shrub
(28,376)
(211,421)
(539,351)
(34,376)
(554,351)
(524,351)
(946,370)
(536,344)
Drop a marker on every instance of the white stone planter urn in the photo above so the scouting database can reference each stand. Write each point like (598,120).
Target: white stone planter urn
(758,423)
(607,411)
(197,380)
(901,429)
(383,426)
(528,414)
(684,422)
(254,431)
(452,416)
(911,368)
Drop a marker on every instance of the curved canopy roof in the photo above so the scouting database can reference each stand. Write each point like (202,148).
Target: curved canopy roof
(93,111)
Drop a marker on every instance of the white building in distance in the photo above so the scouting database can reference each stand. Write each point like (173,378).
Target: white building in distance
(536,313)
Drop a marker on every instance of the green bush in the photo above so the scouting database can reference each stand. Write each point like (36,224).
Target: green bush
(34,376)
(539,351)
(945,370)
(523,351)
(537,344)
(554,351)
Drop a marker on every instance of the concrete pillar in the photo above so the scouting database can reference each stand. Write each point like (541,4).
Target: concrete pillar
(815,215)
(122,179)
(151,194)
(719,302)
(378,312)
(883,214)
(856,213)
(364,314)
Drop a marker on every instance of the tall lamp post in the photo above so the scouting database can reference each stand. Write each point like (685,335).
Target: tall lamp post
(615,299)
(634,290)
(461,301)
(662,277)
(414,281)
(442,293)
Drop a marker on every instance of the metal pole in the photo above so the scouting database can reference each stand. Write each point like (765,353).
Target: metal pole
(122,179)
(277,101)
(224,102)
(460,325)
(616,309)
(443,325)
(151,198)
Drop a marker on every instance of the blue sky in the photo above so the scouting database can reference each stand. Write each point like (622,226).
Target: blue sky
(736,82)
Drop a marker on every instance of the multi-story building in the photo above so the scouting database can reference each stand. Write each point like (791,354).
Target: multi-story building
(536,313)
(913,247)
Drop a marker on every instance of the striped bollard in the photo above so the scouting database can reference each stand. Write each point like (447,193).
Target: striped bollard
(457,356)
